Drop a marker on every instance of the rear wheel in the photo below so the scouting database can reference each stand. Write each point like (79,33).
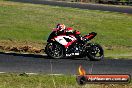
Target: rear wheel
(54,50)
(95,52)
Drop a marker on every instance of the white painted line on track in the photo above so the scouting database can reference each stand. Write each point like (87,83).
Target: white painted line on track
(2,72)
(56,74)
(35,73)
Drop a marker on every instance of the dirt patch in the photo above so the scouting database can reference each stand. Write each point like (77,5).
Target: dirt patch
(3,3)
(18,46)
(38,47)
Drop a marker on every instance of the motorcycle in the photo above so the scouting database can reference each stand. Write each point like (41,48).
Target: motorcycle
(66,45)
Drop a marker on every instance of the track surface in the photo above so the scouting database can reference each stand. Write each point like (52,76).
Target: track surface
(81,6)
(42,64)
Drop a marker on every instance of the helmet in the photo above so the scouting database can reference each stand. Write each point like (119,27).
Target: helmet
(61,27)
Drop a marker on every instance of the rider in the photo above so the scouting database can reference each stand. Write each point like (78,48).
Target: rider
(62,29)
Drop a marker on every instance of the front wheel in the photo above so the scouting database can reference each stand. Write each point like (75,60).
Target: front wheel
(54,50)
(95,52)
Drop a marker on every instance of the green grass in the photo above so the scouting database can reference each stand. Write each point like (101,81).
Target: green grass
(14,80)
(31,22)
(34,22)
(118,52)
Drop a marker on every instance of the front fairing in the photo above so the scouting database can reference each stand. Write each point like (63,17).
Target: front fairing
(51,36)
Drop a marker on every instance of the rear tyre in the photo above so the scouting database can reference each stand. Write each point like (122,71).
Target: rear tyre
(95,52)
(54,50)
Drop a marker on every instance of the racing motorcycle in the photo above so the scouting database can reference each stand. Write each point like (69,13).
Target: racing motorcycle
(66,45)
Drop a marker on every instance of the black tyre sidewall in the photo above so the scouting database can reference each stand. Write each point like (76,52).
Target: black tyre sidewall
(59,45)
(92,57)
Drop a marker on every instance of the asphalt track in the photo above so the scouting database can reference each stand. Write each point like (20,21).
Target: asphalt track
(81,6)
(42,64)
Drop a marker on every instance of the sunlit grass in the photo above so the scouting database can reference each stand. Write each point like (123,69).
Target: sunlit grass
(33,23)
(12,80)
(20,21)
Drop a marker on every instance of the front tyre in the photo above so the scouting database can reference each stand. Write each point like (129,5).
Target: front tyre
(54,50)
(95,52)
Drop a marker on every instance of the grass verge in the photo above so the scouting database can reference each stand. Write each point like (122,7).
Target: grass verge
(31,24)
(15,80)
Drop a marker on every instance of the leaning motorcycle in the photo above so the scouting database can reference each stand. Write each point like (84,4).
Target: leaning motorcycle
(66,45)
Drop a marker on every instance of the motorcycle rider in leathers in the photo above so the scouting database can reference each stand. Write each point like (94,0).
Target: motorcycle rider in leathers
(62,29)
